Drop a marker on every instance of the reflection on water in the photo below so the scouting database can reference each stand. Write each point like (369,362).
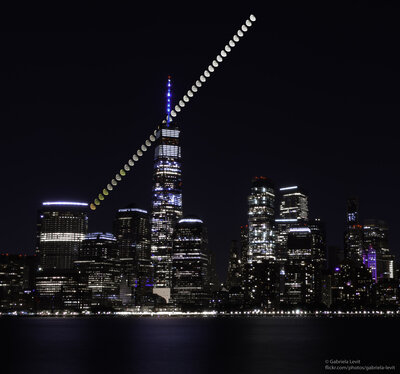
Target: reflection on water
(192,345)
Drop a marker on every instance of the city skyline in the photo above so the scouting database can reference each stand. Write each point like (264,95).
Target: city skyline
(208,128)
(202,188)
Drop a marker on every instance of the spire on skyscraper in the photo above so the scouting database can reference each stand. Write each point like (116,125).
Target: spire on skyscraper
(169,99)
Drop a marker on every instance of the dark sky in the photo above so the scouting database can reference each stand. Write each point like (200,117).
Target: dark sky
(310,96)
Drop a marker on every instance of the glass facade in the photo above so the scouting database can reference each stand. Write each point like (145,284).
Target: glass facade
(132,231)
(166,202)
(294,203)
(99,270)
(261,220)
(190,265)
(293,208)
(61,228)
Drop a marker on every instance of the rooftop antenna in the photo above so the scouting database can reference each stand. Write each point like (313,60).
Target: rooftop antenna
(169,100)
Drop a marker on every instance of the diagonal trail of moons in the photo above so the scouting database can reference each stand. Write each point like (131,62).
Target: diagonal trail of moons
(174,113)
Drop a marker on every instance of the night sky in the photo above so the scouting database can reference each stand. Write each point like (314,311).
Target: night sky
(310,96)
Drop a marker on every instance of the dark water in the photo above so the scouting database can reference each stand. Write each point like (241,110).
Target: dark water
(193,345)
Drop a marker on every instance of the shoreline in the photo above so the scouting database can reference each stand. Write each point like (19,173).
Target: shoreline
(212,314)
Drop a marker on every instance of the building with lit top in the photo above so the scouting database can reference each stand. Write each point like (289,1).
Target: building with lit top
(166,200)
(293,204)
(305,264)
(99,270)
(293,208)
(190,264)
(61,228)
(132,231)
(261,211)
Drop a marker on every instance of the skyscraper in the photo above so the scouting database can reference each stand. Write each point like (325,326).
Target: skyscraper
(235,266)
(376,235)
(166,199)
(61,228)
(190,264)
(98,268)
(299,267)
(353,237)
(261,220)
(132,231)
(293,209)
(376,241)
(294,203)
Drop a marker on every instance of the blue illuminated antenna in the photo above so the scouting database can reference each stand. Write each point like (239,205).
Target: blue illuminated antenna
(169,100)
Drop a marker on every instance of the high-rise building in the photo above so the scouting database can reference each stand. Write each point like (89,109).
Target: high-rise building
(98,269)
(299,269)
(376,242)
(293,209)
(294,203)
(353,239)
(306,262)
(61,228)
(261,220)
(190,264)
(234,266)
(166,200)
(376,235)
(318,235)
(132,231)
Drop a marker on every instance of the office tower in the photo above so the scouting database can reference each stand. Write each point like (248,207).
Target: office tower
(370,261)
(353,239)
(234,278)
(293,209)
(319,257)
(190,261)
(299,269)
(261,220)
(61,228)
(99,270)
(132,231)
(318,235)
(294,203)
(375,234)
(166,200)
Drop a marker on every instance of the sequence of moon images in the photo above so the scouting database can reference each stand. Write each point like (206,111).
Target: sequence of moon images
(174,113)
